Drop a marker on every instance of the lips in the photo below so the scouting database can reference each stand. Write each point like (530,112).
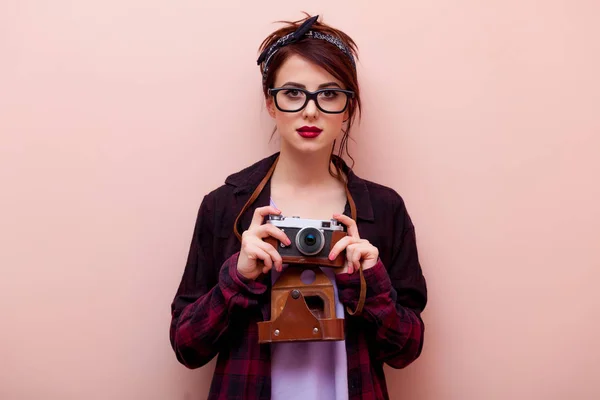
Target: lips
(309,132)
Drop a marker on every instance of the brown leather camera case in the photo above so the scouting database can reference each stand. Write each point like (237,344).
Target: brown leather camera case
(291,317)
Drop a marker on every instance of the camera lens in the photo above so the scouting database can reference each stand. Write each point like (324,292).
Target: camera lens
(310,241)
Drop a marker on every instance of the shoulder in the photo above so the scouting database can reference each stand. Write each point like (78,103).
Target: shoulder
(380,196)
(221,202)
(242,180)
(219,194)
(387,204)
(384,195)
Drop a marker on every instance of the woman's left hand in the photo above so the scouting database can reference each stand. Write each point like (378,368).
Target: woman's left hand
(358,251)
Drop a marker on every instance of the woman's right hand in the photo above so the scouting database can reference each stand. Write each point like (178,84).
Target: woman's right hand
(254,248)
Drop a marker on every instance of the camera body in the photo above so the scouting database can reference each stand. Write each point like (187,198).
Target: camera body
(301,310)
(312,240)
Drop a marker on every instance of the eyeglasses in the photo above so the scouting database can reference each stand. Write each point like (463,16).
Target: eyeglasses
(330,101)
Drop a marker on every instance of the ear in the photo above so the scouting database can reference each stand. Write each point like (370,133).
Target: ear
(271,106)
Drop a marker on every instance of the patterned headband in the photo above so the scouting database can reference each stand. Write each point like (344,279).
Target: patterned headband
(302,32)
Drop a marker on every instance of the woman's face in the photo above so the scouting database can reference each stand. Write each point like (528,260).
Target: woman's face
(310,129)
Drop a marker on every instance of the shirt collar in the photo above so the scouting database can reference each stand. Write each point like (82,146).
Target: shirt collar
(246,180)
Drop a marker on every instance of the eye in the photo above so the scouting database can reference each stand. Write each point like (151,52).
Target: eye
(293,93)
(329,94)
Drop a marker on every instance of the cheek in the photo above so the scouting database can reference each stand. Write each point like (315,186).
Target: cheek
(285,120)
(335,123)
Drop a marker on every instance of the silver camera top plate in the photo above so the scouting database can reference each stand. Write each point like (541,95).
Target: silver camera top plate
(299,223)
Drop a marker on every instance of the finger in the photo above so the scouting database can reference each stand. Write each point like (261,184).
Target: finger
(356,256)
(353,252)
(260,213)
(350,224)
(349,266)
(274,254)
(349,253)
(340,246)
(256,253)
(271,230)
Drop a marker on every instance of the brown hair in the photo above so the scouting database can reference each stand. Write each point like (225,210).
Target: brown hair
(328,57)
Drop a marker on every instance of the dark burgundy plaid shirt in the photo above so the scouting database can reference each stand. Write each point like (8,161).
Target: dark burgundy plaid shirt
(216,310)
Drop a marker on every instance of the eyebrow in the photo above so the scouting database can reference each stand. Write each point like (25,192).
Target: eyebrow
(321,86)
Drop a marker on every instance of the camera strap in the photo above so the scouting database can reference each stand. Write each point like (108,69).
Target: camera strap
(254,196)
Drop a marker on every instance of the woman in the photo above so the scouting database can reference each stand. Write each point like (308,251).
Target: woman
(311,90)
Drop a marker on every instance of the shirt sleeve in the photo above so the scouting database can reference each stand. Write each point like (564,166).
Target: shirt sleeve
(207,296)
(396,296)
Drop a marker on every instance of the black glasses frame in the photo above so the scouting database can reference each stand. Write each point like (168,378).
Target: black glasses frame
(312,96)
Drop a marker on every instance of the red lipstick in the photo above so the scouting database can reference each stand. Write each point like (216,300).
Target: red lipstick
(309,132)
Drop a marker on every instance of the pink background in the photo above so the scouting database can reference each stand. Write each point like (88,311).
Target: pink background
(117,116)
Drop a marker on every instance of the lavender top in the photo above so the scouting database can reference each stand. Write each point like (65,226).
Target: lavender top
(310,370)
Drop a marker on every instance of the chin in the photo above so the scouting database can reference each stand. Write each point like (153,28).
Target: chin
(310,145)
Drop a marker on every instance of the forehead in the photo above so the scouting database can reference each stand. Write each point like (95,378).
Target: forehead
(300,70)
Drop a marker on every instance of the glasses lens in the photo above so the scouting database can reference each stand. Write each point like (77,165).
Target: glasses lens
(332,101)
(291,99)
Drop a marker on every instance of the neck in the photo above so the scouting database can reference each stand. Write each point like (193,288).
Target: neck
(301,169)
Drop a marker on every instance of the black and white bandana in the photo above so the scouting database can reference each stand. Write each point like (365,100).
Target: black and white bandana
(302,32)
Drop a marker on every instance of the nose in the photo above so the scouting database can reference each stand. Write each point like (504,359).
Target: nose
(311,110)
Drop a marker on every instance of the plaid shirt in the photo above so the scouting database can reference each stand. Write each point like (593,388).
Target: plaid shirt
(215,310)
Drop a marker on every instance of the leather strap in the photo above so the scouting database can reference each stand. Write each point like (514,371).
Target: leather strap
(351,201)
(254,196)
(363,283)
(362,296)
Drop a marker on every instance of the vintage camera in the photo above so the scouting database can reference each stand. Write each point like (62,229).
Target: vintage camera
(301,310)
(312,240)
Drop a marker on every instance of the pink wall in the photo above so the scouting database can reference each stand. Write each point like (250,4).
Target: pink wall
(115,116)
